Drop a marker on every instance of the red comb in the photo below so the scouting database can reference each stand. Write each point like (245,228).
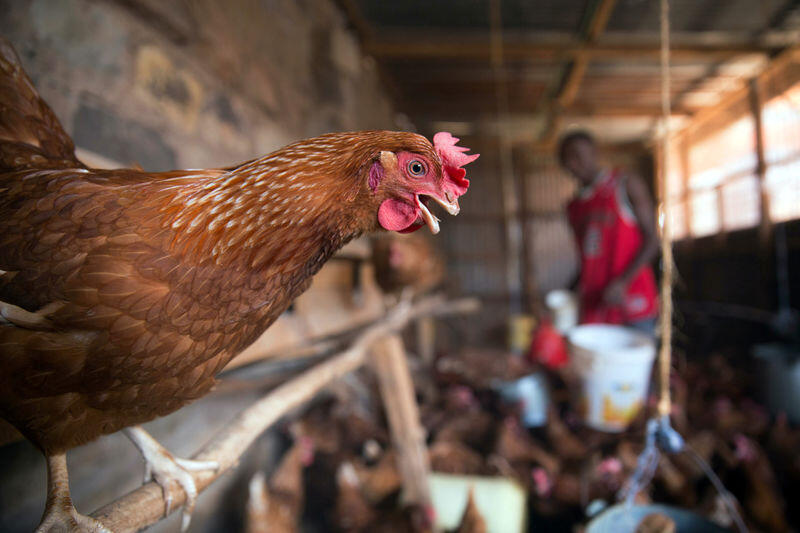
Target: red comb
(453,158)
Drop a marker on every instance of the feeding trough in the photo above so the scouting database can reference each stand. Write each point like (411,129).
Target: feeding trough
(500,501)
(624,518)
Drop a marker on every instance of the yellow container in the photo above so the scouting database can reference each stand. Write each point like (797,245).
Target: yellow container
(520,333)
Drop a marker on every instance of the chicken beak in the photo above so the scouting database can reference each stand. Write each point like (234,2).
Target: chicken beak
(430,219)
(450,206)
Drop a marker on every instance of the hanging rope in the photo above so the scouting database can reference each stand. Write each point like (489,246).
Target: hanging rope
(660,436)
(665,354)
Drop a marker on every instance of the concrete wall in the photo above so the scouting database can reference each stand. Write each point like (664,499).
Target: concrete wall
(195,84)
(181,85)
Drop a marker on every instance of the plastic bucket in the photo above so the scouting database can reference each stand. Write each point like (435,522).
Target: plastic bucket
(563,306)
(531,392)
(780,378)
(623,518)
(614,364)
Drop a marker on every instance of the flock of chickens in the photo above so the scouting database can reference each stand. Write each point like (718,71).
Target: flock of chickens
(563,466)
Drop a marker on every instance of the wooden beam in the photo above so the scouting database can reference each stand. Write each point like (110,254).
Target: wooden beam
(426,340)
(683,154)
(527,50)
(599,20)
(597,24)
(578,110)
(785,58)
(399,400)
(572,81)
(756,106)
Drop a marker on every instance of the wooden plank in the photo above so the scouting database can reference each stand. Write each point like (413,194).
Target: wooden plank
(597,24)
(599,20)
(765,234)
(586,109)
(683,147)
(426,339)
(529,283)
(456,47)
(756,106)
(399,399)
(783,60)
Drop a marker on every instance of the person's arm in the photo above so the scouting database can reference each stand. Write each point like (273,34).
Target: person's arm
(643,209)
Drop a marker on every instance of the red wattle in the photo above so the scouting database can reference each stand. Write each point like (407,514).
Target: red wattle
(396,215)
(412,228)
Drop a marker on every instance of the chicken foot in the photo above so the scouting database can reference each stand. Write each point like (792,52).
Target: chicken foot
(60,515)
(162,467)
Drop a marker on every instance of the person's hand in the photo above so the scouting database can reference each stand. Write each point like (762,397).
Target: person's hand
(615,292)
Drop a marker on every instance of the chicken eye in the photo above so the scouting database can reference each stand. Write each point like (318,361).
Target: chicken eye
(416,168)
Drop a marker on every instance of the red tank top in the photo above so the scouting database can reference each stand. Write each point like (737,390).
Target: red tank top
(609,238)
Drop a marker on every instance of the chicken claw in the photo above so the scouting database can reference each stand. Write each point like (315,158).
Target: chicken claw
(162,467)
(60,515)
(65,519)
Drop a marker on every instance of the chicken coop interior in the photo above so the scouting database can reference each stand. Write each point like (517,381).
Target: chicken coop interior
(606,338)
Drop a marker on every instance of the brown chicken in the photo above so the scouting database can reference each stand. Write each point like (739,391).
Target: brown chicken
(412,518)
(406,261)
(472,521)
(276,506)
(763,498)
(123,293)
(353,512)
(380,480)
(514,445)
(452,457)
(562,441)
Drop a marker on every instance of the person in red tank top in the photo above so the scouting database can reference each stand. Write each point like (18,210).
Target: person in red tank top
(613,219)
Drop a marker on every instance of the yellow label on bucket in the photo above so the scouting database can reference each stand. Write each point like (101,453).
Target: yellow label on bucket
(613,414)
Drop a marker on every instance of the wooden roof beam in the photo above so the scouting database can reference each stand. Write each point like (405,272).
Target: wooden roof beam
(586,110)
(478,50)
(597,24)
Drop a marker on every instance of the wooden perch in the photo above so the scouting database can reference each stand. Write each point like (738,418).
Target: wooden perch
(399,400)
(145,505)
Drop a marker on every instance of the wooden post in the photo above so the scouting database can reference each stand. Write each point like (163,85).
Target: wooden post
(426,339)
(397,390)
(756,105)
(765,237)
(686,197)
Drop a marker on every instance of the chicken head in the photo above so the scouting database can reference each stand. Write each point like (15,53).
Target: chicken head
(414,179)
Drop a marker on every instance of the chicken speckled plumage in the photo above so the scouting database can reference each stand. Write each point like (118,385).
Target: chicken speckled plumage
(123,293)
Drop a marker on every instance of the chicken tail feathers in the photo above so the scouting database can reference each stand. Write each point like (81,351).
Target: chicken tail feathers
(30,134)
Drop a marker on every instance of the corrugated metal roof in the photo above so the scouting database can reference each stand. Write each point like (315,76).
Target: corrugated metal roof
(439,61)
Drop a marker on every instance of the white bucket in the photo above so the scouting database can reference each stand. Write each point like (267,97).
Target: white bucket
(563,305)
(614,363)
(531,391)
